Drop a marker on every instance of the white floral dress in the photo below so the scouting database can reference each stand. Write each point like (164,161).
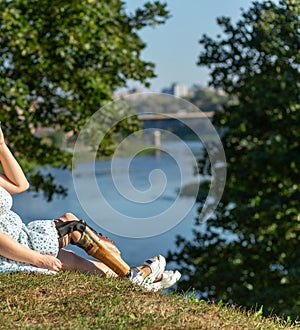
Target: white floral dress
(39,235)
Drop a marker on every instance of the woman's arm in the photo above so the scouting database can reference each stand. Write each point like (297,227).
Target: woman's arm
(13,179)
(11,249)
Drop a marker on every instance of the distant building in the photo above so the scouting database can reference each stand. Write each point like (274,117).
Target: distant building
(178,90)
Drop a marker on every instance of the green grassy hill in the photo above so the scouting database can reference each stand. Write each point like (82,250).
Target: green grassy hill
(78,301)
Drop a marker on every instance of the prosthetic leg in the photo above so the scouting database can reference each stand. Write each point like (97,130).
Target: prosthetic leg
(95,246)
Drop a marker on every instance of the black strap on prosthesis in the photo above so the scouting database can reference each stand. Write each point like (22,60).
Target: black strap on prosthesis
(65,228)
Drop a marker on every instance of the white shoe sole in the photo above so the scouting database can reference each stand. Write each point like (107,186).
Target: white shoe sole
(169,278)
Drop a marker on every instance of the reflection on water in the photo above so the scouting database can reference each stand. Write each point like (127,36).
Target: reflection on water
(134,251)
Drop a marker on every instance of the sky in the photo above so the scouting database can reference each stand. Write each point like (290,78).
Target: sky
(174,47)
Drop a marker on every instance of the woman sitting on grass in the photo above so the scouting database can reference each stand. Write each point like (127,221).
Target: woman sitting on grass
(39,246)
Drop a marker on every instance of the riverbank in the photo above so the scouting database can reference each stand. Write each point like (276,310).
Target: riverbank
(78,301)
(144,176)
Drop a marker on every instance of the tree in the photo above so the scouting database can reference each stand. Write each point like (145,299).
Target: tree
(206,99)
(248,253)
(60,62)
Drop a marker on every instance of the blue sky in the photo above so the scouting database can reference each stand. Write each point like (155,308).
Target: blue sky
(174,47)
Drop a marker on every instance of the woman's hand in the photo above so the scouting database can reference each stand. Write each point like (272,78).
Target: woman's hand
(48,262)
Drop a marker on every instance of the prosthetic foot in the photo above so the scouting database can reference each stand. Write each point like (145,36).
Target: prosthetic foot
(95,245)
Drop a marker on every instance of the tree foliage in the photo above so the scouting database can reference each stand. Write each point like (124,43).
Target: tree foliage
(248,253)
(61,61)
(207,99)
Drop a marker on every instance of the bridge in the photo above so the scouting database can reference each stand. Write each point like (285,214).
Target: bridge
(180,115)
(182,124)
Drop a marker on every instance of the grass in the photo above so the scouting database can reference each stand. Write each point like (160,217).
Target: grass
(80,301)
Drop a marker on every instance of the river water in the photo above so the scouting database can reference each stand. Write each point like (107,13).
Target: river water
(134,250)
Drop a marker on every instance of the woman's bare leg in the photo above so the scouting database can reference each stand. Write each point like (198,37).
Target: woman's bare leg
(72,261)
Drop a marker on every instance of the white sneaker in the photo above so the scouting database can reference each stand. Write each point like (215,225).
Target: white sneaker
(169,278)
(157,265)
